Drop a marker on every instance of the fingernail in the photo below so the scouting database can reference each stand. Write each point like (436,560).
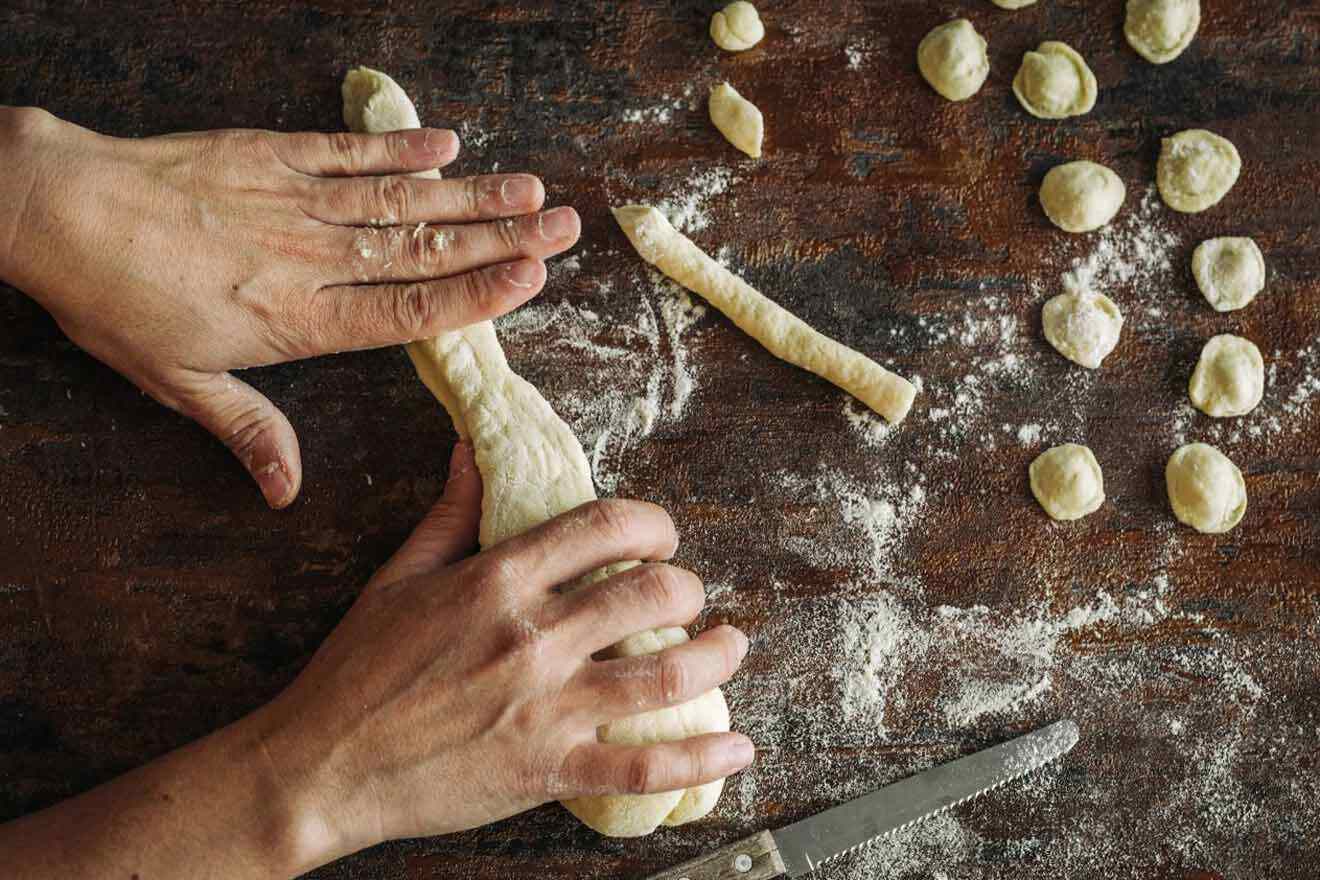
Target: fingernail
(523,273)
(518,192)
(275,484)
(743,643)
(558,224)
(740,750)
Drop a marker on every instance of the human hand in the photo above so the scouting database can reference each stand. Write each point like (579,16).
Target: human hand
(177,259)
(459,691)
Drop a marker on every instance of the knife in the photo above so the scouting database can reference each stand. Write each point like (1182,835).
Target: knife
(800,848)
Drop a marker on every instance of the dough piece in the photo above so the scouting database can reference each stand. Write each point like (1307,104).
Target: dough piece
(1206,490)
(1229,271)
(1082,326)
(737,119)
(533,468)
(1081,196)
(737,27)
(953,59)
(783,333)
(1054,82)
(1196,169)
(1161,29)
(1067,482)
(1013,4)
(1229,380)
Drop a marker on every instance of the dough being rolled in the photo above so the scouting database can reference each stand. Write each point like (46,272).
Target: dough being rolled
(532,469)
(783,333)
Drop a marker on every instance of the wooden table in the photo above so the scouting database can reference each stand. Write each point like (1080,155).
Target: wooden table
(147,595)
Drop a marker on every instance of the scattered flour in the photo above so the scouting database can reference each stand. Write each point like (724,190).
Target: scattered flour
(687,210)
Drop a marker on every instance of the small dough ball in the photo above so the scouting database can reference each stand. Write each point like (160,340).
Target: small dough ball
(953,59)
(1206,490)
(1161,29)
(1067,482)
(1081,196)
(1013,4)
(1229,271)
(737,27)
(1054,82)
(737,119)
(1196,169)
(1082,326)
(1229,379)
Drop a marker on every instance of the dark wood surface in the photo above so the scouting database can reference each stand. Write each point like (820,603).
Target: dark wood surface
(148,596)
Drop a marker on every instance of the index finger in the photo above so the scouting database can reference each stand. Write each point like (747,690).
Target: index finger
(584,539)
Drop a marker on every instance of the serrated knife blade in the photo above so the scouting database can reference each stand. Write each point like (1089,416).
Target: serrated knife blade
(800,848)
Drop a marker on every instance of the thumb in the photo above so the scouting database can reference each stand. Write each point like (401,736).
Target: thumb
(251,426)
(449,531)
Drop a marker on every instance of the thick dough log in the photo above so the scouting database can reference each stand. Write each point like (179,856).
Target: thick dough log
(532,469)
(786,336)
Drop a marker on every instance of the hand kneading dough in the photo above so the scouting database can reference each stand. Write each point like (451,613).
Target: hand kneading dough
(1161,29)
(1054,82)
(1229,271)
(1081,196)
(1196,169)
(1229,380)
(1206,490)
(737,119)
(1082,326)
(1067,482)
(736,27)
(783,333)
(533,468)
(953,59)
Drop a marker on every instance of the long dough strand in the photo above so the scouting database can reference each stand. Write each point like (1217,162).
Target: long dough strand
(786,336)
(532,469)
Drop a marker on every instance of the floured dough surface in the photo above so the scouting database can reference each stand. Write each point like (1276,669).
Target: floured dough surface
(1196,169)
(737,119)
(953,59)
(1206,490)
(1067,482)
(1013,4)
(783,333)
(1082,326)
(1160,30)
(1229,271)
(737,27)
(1054,82)
(532,469)
(1229,379)
(1081,196)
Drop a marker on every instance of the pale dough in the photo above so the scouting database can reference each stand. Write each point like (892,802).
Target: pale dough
(737,119)
(1013,4)
(953,59)
(1229,379)
(532,469)
(1081,196)
(1161,29)
(1229,272)
(1054,82)
(1206,490)
(1196,169)
(1082,326)
(780,331)
(1067,482)
(737,27)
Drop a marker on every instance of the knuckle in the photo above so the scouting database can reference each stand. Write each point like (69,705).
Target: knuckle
(644,773)
(611,519)
(665,587)
(346,149)
(394,198)
(671,679)
(413,308)
(507,234)
(472,195)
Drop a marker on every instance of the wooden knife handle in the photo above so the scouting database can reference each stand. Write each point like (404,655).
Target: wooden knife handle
(752,858)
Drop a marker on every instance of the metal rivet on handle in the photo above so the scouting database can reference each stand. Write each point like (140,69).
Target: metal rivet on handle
(742,864)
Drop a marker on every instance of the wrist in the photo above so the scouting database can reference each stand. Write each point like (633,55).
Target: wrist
(26,135)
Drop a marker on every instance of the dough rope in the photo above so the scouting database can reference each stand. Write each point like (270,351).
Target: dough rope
(787,336)
(533,468)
